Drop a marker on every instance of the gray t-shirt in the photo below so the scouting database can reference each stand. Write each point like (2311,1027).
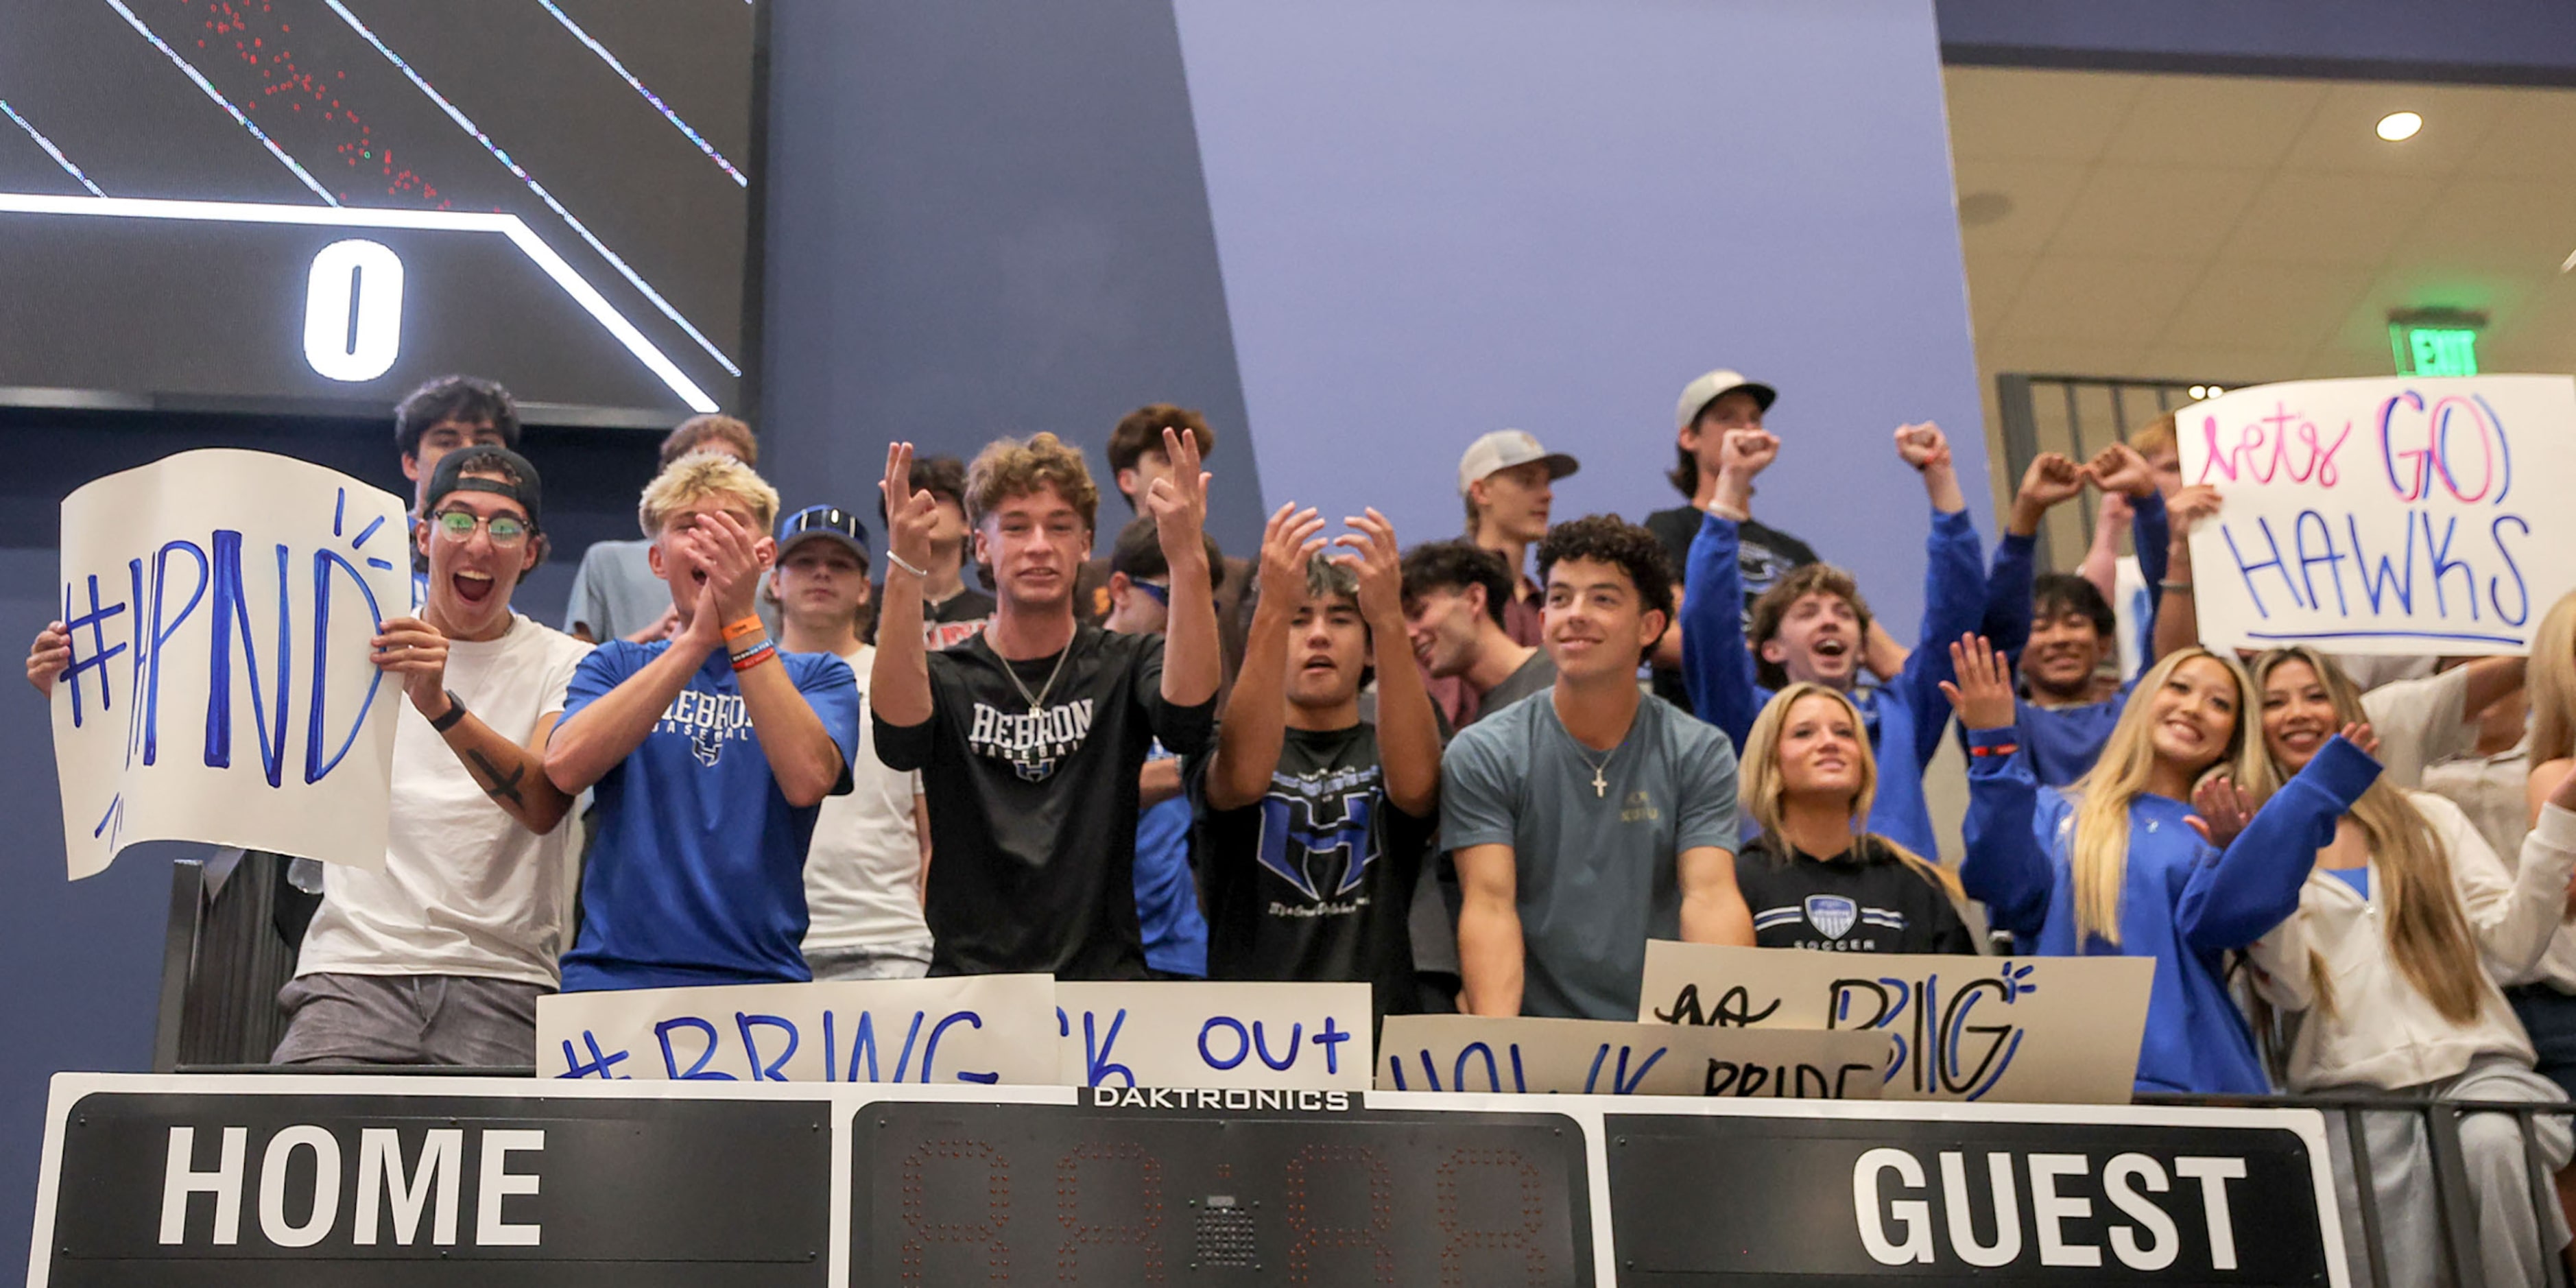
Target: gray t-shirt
(1537,675)
(1597,872)
(616,593)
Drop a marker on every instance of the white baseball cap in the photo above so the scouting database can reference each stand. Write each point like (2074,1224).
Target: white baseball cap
(1698,394)
(1505,448)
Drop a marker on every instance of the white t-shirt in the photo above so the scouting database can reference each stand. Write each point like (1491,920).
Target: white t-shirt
(863,869)
(466,890)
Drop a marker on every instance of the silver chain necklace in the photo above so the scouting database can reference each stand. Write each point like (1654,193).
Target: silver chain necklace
(1039,699)
(1600,785)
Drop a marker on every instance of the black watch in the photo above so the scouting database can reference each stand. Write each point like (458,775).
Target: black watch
(455,713)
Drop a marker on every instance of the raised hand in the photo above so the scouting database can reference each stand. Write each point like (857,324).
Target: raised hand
(2358,733)
(415,652)
(2051,480)
(49,657)
(1747,452)
(2220,810)
(1983,693)
(1922,446)
(1379,566)
(1288,542)
(2189,506)
(909,514)
(1178,502)
(2119,468)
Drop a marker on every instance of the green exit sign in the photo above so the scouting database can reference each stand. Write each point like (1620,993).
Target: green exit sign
(2445,344)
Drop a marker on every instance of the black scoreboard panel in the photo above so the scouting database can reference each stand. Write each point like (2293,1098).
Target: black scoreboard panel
(1055,1194)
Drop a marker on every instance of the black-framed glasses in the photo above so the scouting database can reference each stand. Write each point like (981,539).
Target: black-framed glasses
(458,525)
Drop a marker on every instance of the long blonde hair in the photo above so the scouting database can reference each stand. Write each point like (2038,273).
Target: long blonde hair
(2099,857)
(2428,934)
(1765,790)
(2553,683)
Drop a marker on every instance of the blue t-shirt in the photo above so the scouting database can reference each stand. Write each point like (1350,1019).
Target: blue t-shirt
(1167,898)
(697,874)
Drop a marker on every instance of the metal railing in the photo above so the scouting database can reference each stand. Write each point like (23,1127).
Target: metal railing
(2077,415)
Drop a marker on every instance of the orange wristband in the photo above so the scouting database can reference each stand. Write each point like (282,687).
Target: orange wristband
(744,627)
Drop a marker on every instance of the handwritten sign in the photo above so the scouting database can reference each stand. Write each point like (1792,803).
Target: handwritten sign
(973,1029)
(2392,515)
(222,606)
(1608,1058)
(2033,1029)
(1311,1037)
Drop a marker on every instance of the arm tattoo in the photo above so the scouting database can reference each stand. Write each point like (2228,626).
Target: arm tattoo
(501,787)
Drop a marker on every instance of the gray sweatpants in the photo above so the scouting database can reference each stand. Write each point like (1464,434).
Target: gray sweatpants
(2513,1238)
(409,1019)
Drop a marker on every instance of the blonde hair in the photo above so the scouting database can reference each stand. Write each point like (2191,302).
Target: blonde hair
(2428,934)
(1011,467)
(698,476)
(1765,790)
(2155,436)
(2553,683)
(2099,857)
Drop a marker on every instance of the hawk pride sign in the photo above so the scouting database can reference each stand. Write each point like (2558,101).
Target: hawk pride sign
(2390,515)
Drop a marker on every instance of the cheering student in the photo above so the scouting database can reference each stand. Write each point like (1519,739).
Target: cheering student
(440,957)
(710,751)
(2057,626)
(2385,965)
(2150,854)
(1589,820)
(1710,406)
(1455,594)
(952,612)
(615,594)
(863,867)
(1031,736)
(1136,459)
(2124,581)
(1815,876)
(1811,627)
(1167,898)
(1316,821)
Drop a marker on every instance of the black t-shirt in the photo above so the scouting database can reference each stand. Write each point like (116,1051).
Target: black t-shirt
(956,619)
(1033,814)
(1315,881)
(1764,557)
(1864,900)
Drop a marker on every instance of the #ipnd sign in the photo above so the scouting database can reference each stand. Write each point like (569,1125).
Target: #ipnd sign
(2392,515)
(223,606)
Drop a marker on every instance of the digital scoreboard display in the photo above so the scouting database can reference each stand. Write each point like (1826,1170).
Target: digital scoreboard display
(281,202)
(1044,1194)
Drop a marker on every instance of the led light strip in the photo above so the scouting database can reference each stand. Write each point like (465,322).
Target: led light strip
(479,136)
(50,150)
(224,103)
(509,226)
(649,96)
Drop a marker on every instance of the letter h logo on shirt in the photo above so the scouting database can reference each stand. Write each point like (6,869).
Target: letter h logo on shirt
(1292,839)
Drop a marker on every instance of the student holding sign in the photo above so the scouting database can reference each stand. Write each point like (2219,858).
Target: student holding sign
(1031,736)
(2386,964)
(440,957)
(1812,626)
(1588,820)
(2120,863)
(711,751)
(1316,820)
(1816,876)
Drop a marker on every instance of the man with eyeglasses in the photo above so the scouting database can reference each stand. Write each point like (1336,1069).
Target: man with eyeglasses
(863,870)
(440,957)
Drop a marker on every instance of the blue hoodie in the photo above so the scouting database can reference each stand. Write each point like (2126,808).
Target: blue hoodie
(2063,742)
(1905,718)
(2182,902)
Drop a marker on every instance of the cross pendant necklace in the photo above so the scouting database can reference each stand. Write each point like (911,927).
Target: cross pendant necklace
(1600,785)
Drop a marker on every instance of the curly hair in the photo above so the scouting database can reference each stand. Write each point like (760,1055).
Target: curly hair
(1456,564)
(1609,539)
(696,432)
(468,400)
(1010,467)
(1774,604)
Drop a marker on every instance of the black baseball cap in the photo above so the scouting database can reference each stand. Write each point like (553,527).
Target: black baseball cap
(829,521)
(449,476)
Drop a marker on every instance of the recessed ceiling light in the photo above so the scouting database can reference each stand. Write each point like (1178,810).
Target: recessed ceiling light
(2397,127)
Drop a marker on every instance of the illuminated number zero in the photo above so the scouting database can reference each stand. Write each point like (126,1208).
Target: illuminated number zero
(353,310)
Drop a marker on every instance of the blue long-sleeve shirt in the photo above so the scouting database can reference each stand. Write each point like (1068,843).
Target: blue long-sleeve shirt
(2182,901)
(2063,742)
(1904,718)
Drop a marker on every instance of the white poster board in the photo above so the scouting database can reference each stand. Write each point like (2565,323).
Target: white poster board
(2397,514)
(1609,1058)
(1311,1037)
(2032,1029)
(222,607)
(971,1029)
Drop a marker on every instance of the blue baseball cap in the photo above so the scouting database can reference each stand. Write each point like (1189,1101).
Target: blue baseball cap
(824,521)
